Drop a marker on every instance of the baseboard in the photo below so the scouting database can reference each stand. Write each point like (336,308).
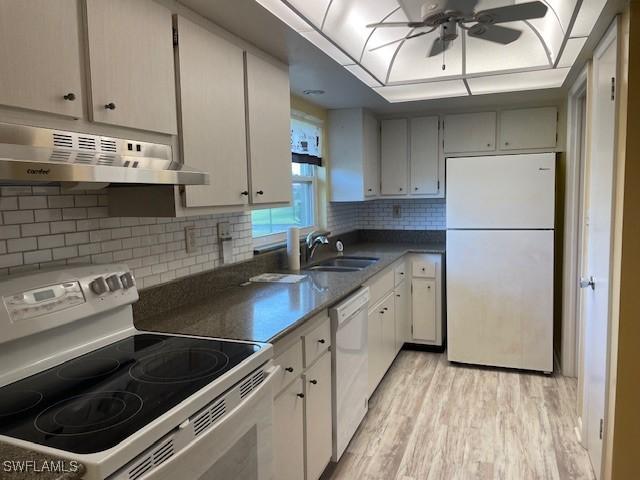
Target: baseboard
(424,348)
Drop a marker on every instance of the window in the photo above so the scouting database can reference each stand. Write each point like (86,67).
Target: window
(301,213)
(270,225)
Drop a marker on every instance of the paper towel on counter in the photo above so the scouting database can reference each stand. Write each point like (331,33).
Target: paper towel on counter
(293,248)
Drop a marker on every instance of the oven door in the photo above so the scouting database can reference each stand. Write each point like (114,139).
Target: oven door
(239,447)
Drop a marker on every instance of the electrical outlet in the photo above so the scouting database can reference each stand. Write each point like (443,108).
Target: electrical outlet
(190,239)
(224,230)
(396,211)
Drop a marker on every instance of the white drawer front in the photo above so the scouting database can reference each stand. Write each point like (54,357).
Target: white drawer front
(424,268)
(380,285)
(316,342)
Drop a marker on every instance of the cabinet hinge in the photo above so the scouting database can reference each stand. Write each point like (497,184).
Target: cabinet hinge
(613,91)
(601,427)
(175,36)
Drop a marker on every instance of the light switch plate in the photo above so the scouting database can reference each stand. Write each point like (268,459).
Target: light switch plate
(190,239)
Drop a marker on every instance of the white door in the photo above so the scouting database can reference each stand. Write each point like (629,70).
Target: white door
(528,128)
(212,115)
(470,132)
(269,115)
(318,416)
(371,153)
(597,246)
(500,298)
(40,56)
(506,191)
(393,157)
(403,315)
(424,309)
(388,318)
(288,433)
(131,63)
(424,155)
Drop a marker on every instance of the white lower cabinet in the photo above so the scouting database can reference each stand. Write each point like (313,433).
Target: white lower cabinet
(402,294)
(426,300)
(382,339)
(288,432)
(318,419)
(302,420)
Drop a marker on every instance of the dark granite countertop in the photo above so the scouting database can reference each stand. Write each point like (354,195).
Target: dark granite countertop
(18,463)
(266,312)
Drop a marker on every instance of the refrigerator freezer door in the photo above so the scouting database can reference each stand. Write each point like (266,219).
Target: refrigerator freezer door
(500,298)
(507,192)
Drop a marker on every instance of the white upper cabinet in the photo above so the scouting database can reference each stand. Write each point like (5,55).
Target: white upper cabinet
(269,115)
(354,151)
(528,128)
(371,155)
(470,132)
(424,156)
(212,115)
(131,64)
(40,56)
(394,157)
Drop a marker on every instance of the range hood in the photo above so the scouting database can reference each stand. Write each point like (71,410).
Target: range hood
(35,155)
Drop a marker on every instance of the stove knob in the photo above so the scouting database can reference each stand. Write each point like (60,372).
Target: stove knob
(127,280)
(114,282)
(99,286)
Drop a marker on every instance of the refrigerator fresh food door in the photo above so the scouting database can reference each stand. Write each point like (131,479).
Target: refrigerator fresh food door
(507,191)
(500,298)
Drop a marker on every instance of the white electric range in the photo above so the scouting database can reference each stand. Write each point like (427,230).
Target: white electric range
(78,381)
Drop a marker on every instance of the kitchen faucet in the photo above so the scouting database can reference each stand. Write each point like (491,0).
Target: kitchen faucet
(314,240)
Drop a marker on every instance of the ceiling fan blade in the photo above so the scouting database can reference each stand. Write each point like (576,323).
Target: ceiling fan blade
(438,47)
(388,24)
(408,37)
(512,13)
(494,33)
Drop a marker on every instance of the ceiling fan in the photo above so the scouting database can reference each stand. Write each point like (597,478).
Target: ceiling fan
(448,15)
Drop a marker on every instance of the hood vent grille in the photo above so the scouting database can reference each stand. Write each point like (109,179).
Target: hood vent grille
(33,155)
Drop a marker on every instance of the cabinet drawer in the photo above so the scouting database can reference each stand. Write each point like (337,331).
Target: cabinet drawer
(316,342)
(291,363)
(381,284)
(424,268)
(400,273)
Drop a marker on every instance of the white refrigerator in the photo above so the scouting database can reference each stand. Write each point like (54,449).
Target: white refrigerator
(499,261)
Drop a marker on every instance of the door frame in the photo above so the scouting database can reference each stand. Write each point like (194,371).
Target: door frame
(612,35)
(576,159)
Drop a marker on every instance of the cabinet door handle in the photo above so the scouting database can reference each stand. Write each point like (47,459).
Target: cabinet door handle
(382,312)
(488,144)
(397,294)
(506,143)
(386,308)
(400,188)
(300,395)
(110,106)
(322,340)
(415,188)
(313,382)
(245,193)
(70,96)
(369,189)
(289,369)
(259,192)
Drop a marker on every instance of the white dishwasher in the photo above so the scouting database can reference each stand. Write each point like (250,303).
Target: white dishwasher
(350,368)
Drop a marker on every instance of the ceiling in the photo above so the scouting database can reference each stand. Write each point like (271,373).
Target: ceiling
(312,64)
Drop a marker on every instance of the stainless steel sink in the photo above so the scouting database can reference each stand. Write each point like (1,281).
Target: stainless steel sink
(343,264)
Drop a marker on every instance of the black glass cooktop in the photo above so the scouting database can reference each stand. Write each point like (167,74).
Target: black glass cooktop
(95,401)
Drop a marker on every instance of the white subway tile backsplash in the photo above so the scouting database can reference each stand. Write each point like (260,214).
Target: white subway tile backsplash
(47,227)
(415,214)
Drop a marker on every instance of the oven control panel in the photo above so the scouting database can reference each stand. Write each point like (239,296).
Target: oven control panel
(42,301)
(95,295)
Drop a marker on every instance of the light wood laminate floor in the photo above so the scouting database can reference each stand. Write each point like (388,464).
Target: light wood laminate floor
(430,419)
